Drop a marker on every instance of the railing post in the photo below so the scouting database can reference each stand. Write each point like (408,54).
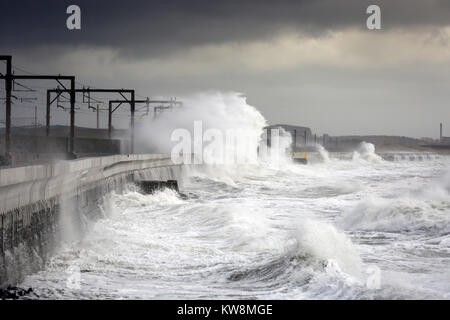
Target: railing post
(110,119)
(47,115)
(132,105)
(72,116)
(8,88)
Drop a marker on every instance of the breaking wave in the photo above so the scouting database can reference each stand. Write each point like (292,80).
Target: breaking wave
(424,209)
(366,152)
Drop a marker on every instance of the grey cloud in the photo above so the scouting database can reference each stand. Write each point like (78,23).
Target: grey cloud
(144,28)
(408,99)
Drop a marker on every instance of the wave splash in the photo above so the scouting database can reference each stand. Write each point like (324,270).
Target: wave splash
(424,209)
(366,152)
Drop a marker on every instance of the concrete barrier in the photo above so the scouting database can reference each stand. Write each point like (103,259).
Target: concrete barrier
(26,149)
(410,156)
(37,203)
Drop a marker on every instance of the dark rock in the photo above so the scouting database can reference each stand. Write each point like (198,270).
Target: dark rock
(14,293)
(301,160)
(151,186)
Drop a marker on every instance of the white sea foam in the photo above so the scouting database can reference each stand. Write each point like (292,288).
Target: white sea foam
(322,241)
(366,152)
(227,113)
(323,153)
(405,214)
(427,207)
(267,230)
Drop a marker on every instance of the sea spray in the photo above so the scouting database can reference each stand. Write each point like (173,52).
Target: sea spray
(366,152)
(201,115)
(412,210)
(219,131)
(323,241)
(277,156)
(217,128)
(323,153)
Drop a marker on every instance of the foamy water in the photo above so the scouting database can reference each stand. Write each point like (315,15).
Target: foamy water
(273,230)
(303,232)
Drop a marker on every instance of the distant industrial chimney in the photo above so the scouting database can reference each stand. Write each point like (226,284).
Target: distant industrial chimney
(440,136)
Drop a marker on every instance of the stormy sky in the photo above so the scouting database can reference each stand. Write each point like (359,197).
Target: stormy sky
(304,62)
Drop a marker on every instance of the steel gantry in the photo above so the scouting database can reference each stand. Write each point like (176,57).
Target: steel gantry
(9,78)
(88,91)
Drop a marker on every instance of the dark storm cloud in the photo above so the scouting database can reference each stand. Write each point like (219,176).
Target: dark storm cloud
(310,63)
(139,27)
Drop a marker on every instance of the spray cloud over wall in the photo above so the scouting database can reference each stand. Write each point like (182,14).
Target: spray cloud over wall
(203,118)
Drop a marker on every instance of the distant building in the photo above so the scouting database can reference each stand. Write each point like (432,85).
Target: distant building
(427,140)
(445,140)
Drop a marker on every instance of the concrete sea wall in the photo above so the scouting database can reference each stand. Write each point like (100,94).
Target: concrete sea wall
(26,149)
(43,205)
